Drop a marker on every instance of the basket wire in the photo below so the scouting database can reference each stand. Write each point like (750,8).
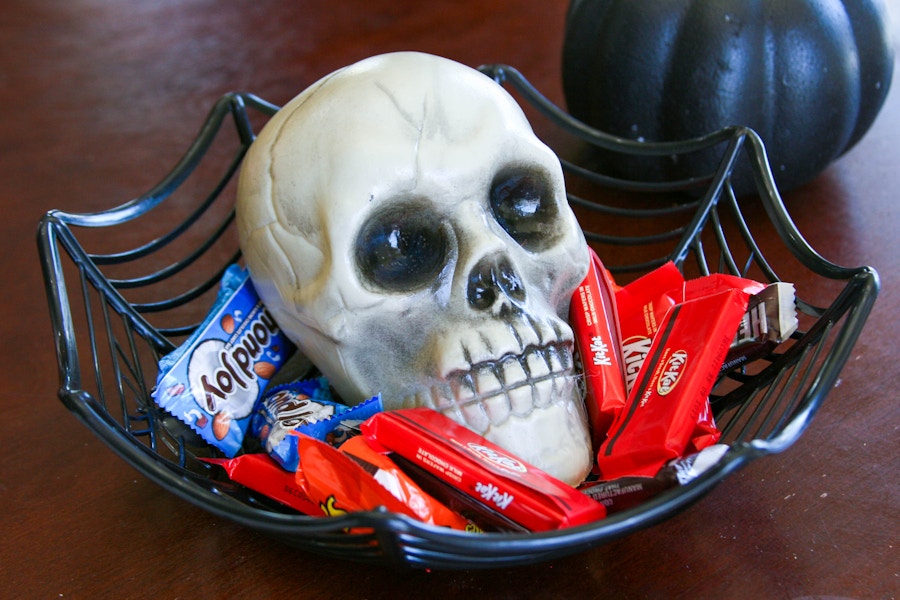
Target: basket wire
(115,311)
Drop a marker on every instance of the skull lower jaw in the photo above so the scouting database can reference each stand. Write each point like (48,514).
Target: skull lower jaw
(529,404)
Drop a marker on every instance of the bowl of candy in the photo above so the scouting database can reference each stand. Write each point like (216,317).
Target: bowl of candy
(411,318)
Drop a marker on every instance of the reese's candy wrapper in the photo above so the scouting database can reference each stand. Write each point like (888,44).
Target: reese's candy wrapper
(595,323)
(667,413)
(482,470)
(214,380)
(402,486)
(338,484)
(262,474)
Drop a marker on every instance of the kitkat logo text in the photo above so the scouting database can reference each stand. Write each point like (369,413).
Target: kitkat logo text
(671,372)
(497,458)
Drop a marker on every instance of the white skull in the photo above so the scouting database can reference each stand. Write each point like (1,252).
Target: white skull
(410,233)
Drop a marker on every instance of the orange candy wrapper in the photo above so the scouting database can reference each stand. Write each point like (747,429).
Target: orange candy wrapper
(392,478)
(338,484)
(332,482)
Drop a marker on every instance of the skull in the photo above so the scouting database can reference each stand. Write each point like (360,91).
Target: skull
(409,232)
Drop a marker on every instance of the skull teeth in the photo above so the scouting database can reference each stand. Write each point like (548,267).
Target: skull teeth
(518,337)
(492,391)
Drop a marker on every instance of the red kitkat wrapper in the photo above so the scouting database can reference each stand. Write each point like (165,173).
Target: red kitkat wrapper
(261,473)
(594,320)
(642,305)
(719,282)
(482,470)
(667,413)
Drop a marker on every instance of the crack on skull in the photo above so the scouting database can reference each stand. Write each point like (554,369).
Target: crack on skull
(406,115)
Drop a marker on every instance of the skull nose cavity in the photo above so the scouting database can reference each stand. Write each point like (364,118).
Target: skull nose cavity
(495,285)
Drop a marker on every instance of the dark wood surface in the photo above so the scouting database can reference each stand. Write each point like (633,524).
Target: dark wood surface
(100,97)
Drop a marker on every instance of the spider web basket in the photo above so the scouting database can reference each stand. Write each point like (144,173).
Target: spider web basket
(126,285)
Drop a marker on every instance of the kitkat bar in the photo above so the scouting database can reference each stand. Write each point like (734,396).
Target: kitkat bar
(480,515)
(480,469)
(642,305)
(771,318)
(594,320)
(667,413)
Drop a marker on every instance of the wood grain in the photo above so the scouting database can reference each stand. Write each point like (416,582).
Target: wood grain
(100,97)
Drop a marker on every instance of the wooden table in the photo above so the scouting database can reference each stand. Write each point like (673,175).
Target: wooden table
(99,99)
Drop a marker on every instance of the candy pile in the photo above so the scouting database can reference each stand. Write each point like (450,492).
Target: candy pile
(650,353)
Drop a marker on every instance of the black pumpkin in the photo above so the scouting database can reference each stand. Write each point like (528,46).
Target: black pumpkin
(808,75)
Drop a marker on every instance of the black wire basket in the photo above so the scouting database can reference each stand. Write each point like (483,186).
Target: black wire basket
(127,285)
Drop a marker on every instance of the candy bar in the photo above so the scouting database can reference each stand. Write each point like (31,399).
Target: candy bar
(288,407)
(480,515)
(304,407)
(667,413)
(644,303)
(770,319)
(594,320)
(403,487)
(214,380)
(262,474)
(627,492)
(341,427)
(484,471)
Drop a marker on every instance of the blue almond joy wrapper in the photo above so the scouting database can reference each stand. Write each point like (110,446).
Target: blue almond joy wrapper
(215,379)
(305,408)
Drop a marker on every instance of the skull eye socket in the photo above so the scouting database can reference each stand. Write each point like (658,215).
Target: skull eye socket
(524,204)
(401,249)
